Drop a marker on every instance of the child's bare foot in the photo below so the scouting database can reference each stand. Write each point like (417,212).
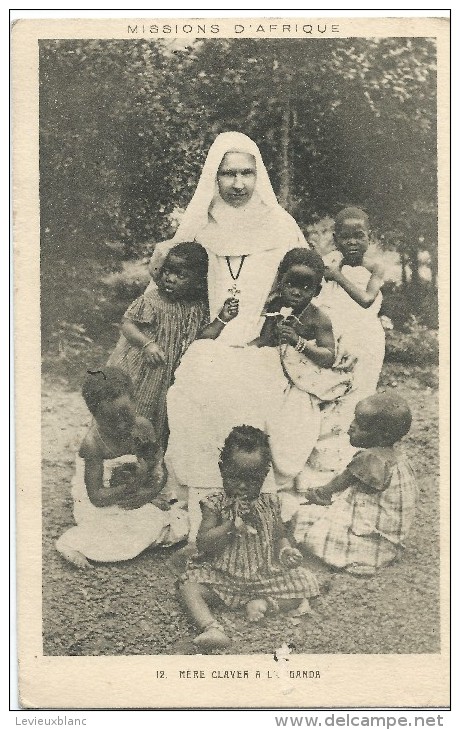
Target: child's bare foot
(256,609)
(181,557)
(304,609)
(361,571)
(75,557)
(213,637)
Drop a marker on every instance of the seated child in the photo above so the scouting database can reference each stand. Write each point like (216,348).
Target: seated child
(248,560)
(159,326)
(292,318)
(119,473)
(310,359)
(366,512)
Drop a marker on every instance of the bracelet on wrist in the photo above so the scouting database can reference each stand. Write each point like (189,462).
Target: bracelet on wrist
(146,344)
(221,320)
(300,344)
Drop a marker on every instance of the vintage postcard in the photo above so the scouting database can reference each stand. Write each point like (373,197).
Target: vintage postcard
(231,258)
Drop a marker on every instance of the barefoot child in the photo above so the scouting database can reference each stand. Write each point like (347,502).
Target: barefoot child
(354,299)
(248,560)
(366,512)
(303,334)
(159,326)
(119,472)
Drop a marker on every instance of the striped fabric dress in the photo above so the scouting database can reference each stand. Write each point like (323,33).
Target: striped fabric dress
(366,526)
(173,326)
(248,568)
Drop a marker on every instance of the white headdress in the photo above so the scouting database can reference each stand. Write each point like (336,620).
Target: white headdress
(261,224)
(196,216)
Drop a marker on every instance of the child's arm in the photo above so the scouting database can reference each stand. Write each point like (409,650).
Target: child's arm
(138,499)
(213,537)
(363,298)
(228,312)
(289,557)
(322,351)
(98,495)
(151,351)
(151,475)
(147,485)
(323,495)
(150,454)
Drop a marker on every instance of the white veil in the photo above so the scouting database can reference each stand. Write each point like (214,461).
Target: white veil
(259,225)
(196,216)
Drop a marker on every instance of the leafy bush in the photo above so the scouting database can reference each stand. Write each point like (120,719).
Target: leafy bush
(128,283)
(402,302)
(417,345)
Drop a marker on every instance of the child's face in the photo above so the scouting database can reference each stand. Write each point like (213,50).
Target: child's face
(236,178)
(117,416)
(244,474)
(176,280)
(363,431)
(352,239)
(298,286)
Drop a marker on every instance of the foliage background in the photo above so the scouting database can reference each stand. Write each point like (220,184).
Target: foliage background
(124,130)
(125,126)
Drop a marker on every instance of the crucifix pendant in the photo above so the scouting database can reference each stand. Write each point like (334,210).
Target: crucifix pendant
(234,291)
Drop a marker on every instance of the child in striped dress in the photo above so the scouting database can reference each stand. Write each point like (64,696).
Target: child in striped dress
(360,520)
(248,561)
(160,325)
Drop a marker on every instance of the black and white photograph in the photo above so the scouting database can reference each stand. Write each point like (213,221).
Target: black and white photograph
(240,257)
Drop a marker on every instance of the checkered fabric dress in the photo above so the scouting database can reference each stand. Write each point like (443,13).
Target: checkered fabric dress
(366,526)
(173,326)
(248,567)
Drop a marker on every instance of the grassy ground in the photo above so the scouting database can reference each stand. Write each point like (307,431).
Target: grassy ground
(131,607)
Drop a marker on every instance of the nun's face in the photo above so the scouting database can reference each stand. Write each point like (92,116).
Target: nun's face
(236,178)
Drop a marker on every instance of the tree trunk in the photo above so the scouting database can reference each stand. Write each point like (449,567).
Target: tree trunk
(434,270)
(403,268)
(284,84)
(413,260)
(285,191)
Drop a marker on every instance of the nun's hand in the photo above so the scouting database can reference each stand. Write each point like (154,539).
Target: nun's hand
(230,309)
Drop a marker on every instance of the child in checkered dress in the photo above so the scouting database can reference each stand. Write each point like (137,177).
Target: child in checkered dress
(360,520)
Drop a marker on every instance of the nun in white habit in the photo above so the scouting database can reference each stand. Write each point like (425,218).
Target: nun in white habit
(222,383)
(235,215)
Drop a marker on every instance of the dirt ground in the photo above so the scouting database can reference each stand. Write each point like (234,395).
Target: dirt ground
(131,607)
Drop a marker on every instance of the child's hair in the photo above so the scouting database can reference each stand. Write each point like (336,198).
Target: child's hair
(249,439)
(302,257)
(393,416)
(107,384)
(196,259)
(351,213)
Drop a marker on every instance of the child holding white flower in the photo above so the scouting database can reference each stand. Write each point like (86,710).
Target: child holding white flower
(316,367)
